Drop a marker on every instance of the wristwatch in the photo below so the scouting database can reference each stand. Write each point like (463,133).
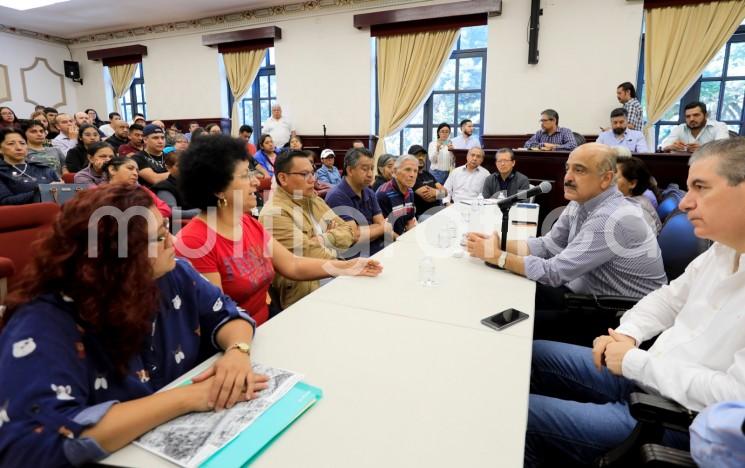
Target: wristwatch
(502,260)
(245,348)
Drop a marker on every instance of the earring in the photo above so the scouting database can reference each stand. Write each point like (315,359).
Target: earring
(222,202)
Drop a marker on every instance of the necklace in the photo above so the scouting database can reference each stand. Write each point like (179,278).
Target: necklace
(23,171)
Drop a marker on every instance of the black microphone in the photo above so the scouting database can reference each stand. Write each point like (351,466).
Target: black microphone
(324,130)
(544,187)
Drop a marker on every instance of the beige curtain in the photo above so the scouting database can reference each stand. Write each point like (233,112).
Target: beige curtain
(241,68)
(121,78)
(679,42)
(408,65)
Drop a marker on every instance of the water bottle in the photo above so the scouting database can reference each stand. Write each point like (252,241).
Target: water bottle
(427,272)
(480,200)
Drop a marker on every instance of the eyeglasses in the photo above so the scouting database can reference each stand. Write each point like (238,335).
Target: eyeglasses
(504,161)
(306,175)
(546,120)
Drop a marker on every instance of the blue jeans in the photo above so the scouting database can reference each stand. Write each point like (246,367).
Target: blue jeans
(575,412)
(440,176)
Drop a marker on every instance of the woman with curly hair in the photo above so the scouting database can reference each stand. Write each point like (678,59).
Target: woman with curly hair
(103,318)
(226,244)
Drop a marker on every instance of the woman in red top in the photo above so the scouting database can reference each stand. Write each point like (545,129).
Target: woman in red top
(229,247)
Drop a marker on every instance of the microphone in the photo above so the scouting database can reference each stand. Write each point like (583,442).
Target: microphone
(324,130)
(544,187)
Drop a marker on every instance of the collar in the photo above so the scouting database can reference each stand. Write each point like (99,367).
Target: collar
(301,202)
(344,185)
(509,177)
(592,204)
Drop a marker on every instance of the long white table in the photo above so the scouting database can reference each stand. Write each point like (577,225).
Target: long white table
(410,377)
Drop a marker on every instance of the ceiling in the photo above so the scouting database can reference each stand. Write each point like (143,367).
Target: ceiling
(82,17)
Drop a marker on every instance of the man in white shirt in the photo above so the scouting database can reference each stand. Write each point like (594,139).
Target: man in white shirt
(68,133)
(108,129)
(697,130)
(466,182)
(465,140)
(578,406)
(278,127)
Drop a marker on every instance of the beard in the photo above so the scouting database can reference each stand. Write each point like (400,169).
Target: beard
(619,130)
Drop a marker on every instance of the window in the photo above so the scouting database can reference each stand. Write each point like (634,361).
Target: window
(458,94)
(721,87)
(133,101)
(256,106)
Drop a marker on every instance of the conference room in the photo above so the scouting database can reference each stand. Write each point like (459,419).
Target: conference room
(372,232)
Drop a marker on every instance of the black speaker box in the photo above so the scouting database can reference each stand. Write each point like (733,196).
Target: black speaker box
(72,70)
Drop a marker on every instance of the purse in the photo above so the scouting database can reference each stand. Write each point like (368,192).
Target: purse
(59,193)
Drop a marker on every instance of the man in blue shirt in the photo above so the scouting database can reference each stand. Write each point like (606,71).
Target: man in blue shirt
(328,172)
(620,135)
(718,435)
(353,200)
(396,197)
(551,137)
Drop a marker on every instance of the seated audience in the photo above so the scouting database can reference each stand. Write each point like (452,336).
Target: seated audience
(213,129)
(139,119)
(67,138)
(428,193)
(52,130)
(506,181)
(41,117)
(599,245)
(626,95)
(440,152)
(551,137)
(295,143)
(193,125)
(302,222)
(353,200)
(385,166)
(8,118)
(180,143)
(466,182)
(82,118)
(19,178)
(170,192)
(150,164)
(466,140)
(245,133)
(216,179)
(135,142)
(697,130)
(266,154)
(634,180)
(119,136)
(396,197)
(83,314)
(38,153)
(358,144)
(77,157)
(327,173)
(578,406)
(98,155)
(620,135)
(320,187)
(123,170)
(108,129)
(93,118)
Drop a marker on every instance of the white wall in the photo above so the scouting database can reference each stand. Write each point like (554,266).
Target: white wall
(42,85)
(587,47)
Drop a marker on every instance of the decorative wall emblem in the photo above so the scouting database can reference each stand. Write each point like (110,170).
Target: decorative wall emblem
(42,85)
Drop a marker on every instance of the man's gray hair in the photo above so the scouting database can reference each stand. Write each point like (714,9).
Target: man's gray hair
(606,158)
(403,158)
(731,154)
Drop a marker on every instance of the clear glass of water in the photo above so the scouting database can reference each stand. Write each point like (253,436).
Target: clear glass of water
(443,239)
(427,272)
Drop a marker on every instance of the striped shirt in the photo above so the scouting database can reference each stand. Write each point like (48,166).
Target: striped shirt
(634,113)
(602,246)
(562,137)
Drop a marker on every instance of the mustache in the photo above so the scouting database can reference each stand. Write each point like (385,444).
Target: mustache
(570,184)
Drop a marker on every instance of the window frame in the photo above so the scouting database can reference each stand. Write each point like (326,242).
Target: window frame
(268,69)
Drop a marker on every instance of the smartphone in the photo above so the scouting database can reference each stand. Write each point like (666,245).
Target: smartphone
(504,319)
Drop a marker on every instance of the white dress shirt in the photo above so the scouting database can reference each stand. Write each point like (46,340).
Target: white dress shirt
(466,143)
(106,130)
(280,130)
(463,184)
(64,143)
(713,130)
(699,359)
(442,160)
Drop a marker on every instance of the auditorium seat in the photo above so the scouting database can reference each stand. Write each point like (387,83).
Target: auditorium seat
(679,244)
(19,226)
(68,177)
(7,268)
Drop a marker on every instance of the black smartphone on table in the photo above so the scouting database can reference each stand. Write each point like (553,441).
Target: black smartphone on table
(504,319)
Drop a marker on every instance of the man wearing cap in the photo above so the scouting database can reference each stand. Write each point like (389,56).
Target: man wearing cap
(328,172)
(150,161)
(428,193)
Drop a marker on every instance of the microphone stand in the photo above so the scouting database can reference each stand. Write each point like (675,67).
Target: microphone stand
(505,224)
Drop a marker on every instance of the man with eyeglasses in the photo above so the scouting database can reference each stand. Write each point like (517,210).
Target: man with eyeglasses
(551,137)
(506,180)
(301,221)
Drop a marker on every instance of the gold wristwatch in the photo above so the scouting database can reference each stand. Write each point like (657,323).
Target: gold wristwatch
(245,348)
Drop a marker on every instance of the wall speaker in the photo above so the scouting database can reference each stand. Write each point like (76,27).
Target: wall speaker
(72,71)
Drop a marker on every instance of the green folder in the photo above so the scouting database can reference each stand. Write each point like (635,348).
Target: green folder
(250,443)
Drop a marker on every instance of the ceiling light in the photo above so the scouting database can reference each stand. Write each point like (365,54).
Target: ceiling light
(28,4)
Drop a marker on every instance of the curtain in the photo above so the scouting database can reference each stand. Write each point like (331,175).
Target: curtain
(408,65)
(121,78)
(680,42)
(241,68)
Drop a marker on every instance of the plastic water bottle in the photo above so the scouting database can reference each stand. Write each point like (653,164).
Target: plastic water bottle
(427,272)
(480,200)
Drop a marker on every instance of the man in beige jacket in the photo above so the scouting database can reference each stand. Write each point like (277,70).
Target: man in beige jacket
(301,221)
